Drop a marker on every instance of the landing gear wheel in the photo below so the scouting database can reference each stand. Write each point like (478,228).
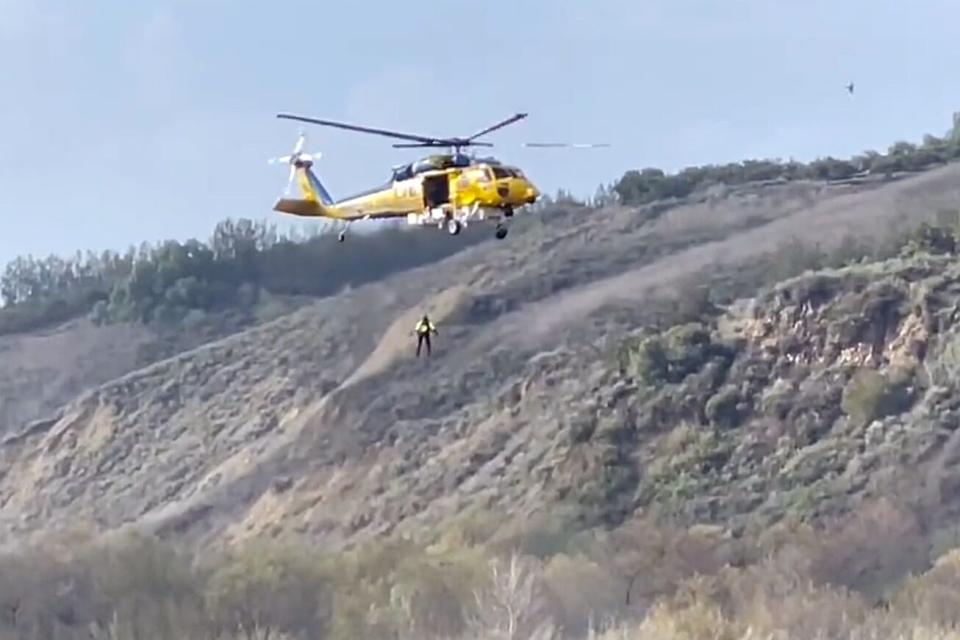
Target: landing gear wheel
(500,233)
(453,226)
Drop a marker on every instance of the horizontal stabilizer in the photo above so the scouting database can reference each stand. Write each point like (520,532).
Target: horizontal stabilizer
(300,207)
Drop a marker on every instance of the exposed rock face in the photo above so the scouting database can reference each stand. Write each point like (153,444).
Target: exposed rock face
(833,387)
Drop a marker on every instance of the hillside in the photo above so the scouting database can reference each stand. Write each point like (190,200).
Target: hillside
(165,298)
(68,325)
(322,422)
(44,369)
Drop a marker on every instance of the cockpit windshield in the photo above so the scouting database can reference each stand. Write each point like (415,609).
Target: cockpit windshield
(501,172)
(431,163)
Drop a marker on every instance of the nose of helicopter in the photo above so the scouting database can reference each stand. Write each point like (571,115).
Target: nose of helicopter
(518,189)
(532,193)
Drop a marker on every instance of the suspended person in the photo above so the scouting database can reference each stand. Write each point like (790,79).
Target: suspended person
(423,329)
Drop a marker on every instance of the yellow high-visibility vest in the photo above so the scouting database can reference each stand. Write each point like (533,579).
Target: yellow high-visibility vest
(425,327)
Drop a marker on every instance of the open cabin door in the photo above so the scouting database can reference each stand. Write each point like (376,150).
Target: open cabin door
(436,191)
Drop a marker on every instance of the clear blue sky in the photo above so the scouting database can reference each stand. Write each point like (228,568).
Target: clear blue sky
(129,121)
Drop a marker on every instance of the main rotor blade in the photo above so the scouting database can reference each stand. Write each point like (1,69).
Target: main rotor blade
(499,125)
(576,145)
(353,127)
(416,145)
(441,143)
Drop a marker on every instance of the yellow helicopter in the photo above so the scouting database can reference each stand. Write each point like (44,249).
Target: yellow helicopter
(447,190)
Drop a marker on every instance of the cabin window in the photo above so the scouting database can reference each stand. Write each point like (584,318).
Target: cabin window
(481,175)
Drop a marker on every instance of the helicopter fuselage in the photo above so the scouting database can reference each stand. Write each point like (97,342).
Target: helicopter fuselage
(419,187)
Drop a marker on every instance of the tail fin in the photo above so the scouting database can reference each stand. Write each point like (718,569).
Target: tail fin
(311,187)
(314,198)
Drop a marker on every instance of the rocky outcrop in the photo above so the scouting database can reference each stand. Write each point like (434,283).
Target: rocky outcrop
(831,388)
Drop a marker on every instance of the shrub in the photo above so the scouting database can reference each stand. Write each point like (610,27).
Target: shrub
(870,395)
(934,239)
(798,582)
(279,587)
(935,595)
(669,357)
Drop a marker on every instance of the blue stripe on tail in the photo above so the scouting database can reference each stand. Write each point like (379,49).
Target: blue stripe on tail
(319,188)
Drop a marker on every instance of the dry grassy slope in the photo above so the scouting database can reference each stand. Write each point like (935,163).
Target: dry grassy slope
(34,381)
(322,421)
(42,370)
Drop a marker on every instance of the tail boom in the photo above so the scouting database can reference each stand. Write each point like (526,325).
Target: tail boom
(304,207)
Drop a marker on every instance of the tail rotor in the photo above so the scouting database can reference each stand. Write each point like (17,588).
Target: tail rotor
(296,158)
